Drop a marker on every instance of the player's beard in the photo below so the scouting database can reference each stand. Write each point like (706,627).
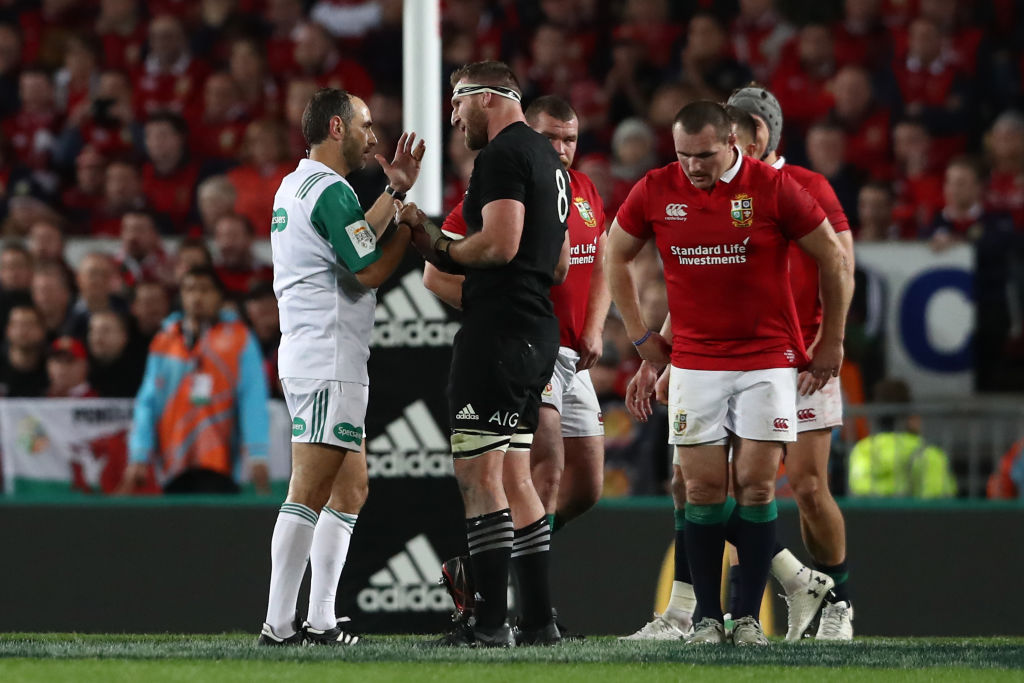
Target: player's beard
(352,153)
(476,129)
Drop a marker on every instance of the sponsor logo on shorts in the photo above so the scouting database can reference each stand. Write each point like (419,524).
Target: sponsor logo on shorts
(780,424)
(806,415)
(346,432)
(679,423)
(298,426)
(600,418)
(410,316)
(505,419)
(467,413)
(675,212)
(412,445)
(549,391)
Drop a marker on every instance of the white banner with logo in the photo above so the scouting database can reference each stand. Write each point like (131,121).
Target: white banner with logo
(929,314)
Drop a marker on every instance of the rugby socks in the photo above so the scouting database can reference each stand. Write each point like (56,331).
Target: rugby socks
(531,552)
(490,546)
(289,552)
(755,543)
(327,555)
(841,576)
(705,542)
(681,602)
(735,583)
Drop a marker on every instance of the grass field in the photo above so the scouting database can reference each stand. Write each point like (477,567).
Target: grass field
(234,657)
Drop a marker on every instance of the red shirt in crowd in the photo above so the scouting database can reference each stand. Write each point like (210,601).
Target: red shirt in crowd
(240,281)
(803,269)
(803,96)
(254,193)
(33,136)
(586,225)
(171,194)
(177,89)
(726,256)
(1005,194)
(868,143)
(124,52)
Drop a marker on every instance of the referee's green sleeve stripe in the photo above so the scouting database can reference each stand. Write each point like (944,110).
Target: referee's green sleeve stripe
(338,218)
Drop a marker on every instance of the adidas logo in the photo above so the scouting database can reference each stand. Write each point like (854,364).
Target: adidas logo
(409,315)
(467,413)
(408,583)
(411,446)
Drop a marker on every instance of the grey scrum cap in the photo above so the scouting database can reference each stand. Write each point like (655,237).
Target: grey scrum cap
(760,102)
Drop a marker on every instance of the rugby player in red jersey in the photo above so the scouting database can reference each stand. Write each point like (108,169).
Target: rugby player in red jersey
(567,456)
(723,225)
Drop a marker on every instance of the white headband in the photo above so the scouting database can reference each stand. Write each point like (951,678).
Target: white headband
(474,88)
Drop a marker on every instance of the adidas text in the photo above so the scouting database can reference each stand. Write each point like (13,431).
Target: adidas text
(422,598)
(413,333)
(409,464)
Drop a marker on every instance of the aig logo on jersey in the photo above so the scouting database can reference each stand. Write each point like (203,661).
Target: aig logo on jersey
(410,316)
(586,212)
(675,212)
(412,445)
(742,211)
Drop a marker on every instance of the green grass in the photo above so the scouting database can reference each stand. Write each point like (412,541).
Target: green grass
(233,657)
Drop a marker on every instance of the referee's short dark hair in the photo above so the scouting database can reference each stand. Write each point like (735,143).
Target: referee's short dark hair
(325,104)
(696,116)
(487,73)
(743,121)
(552,105)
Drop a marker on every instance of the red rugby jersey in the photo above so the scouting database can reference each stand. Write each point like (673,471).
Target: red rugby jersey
(726,259)
(586,224)
(803,269)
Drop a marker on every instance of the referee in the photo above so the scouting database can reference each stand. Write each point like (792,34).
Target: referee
(516,247)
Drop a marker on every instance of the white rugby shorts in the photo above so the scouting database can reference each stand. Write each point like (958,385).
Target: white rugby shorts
(572,394)
(821,410)
(705,406)
(327,412)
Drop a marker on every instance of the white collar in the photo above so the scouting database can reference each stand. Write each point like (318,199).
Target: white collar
(731,173)
(779,163)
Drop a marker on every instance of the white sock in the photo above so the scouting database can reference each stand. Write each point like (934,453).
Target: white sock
(289,552)
(681,602)
(785,568)
(327,559)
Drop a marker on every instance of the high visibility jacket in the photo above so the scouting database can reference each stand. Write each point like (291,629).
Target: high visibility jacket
(202,406)
(900,464)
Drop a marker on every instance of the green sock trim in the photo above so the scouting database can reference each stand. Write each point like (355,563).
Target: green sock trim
(839,578)
(551,521)
(680,517)
(759,513)
(706,514)
(730,505)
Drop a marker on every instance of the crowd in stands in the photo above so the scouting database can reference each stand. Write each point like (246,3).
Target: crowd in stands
(142,121)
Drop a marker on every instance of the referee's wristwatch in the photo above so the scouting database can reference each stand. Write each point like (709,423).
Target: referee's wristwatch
(400,196)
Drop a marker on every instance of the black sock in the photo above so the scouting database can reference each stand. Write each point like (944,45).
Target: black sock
(755,543)
(705,541)
(490,545)
(841,576)
(531,551)
(735,588)
(682,570)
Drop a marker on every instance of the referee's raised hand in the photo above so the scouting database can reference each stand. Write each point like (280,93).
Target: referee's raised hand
(405,167)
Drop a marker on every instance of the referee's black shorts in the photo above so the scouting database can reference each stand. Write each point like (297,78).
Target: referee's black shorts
(496,380)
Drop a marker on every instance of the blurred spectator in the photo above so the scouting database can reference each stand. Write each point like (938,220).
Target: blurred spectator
(215,197)
(963,216)
(15,278)
(317,56)
(97,282)
(77,79)
(10,63)
(52,298)
(27,202)
(262,313)
(917,181)
(801,80)
(707,64)
(236,265)
(258,93)
(630,81)
(861,37)
(1007,481)
(826,154)
(1005,146)
(649,24)
(46,244)
(122,191)
(458,170)
(217,134)
(633,150)
(33,130)
(105,122)
(599,170)
(266,163)
(283,19)
(960,40)
(22,371)
(205,364)
(123,32)
(115,364)
(352,19)
(169,178)
(758,36)
(169,79)
(874,213)
(548,67)
(67,366)
(83,200)
(300,92)
(142,255)
(150,305)
(896,461)
(478,20)
(666,102)
(192,252)
(865,123)
(219,23)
